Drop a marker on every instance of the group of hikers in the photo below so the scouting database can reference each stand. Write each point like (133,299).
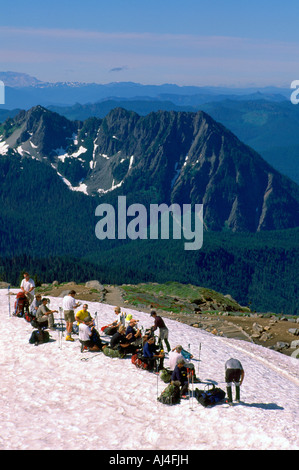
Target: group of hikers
(125,338)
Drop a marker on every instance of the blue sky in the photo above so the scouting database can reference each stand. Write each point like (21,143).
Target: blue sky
(190,42)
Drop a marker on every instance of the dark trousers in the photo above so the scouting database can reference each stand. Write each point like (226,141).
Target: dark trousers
(233,376)
(154,363)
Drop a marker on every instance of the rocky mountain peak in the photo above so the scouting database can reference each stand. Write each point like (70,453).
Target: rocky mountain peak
(164,157)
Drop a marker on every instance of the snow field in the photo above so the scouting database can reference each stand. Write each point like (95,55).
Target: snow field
(53,398)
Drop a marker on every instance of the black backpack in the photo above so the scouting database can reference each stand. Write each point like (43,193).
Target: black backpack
(209,397)
(39,337)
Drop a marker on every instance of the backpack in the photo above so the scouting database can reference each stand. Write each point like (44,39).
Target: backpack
(39,337)
(139,361)
(28,316)
(165,376)
(95,337)
(170,395)
(112,352)
(109,330)
(209,397)
(21,304)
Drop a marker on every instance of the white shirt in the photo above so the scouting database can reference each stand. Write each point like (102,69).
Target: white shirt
(173,359)
(84,332)
(27,285)
(68,303)
(121,318)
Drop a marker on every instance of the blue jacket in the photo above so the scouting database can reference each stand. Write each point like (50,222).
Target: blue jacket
(149,350)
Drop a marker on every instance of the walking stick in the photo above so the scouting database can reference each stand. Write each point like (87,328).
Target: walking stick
(60,334)
(9,313)
(157,370)
(199,350)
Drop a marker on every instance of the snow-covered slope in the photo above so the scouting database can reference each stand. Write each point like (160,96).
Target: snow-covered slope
(53,399)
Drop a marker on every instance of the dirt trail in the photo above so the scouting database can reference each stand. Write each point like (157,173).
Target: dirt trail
(114,297)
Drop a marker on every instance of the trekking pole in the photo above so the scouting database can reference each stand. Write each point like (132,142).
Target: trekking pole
(199,351)
(9,313)
(61,328)
(96,317)
(188,376)
(192,372)
(157,370)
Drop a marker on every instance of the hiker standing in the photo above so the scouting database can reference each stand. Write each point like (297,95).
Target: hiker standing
(69,304)
(234,373)
(159,323)
(27,286)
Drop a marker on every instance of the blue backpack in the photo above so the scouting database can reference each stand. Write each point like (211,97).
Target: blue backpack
(209,397)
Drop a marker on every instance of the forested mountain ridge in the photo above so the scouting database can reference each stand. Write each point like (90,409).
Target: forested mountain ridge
(169,157)
(54,172)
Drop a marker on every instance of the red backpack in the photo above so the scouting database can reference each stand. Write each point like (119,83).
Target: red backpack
(21,304)
(138,362)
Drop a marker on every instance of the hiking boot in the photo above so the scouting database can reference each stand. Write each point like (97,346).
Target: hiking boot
(69,338)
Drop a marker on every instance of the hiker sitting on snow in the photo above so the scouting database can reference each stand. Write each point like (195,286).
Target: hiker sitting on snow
(178,353)
(87,338)
(44,316)
(136,334)
(151,357)
(112,328)
(180,377)
(37,302)
(121,341)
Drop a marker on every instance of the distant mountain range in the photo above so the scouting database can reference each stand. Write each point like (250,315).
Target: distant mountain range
(264,118)
(23,92)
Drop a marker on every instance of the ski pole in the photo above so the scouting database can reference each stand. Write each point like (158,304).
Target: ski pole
(9,314)
(199,350)
(61,329)
(157,370)
(190,391)
(192,372)
(188,377)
